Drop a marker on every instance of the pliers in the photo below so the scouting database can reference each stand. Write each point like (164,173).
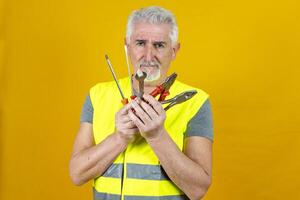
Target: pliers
(163,89)
(180,98)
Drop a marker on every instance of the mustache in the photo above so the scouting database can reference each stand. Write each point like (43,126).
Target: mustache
(149,63)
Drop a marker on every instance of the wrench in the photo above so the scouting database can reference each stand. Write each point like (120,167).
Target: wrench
(140,77)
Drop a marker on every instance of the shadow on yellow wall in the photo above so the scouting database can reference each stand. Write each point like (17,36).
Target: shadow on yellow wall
(244,54)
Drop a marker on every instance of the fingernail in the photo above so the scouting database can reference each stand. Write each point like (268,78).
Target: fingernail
(133,103)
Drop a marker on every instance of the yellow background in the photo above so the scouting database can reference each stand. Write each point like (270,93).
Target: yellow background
(245,54)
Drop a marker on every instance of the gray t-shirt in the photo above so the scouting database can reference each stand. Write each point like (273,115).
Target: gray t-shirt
(200,125)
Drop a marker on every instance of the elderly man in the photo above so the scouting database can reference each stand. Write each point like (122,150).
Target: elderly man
(141,151)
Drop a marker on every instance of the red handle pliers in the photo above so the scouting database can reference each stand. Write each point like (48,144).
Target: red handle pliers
(163,89)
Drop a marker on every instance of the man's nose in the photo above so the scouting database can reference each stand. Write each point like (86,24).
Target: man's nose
(149,53)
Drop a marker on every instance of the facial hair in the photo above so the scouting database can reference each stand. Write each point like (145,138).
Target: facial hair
(152,68)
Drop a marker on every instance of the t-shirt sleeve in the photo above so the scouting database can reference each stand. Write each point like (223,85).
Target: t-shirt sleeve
(87,111)
(201,124)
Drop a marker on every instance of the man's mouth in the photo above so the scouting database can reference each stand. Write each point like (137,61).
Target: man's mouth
(148,65)
(152,70)
(149,69)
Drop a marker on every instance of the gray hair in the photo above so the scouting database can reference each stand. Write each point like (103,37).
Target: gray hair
(153,15)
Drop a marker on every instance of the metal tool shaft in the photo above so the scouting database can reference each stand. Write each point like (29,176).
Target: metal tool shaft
(180,98)
(128,68)
(114,75)
(140,77)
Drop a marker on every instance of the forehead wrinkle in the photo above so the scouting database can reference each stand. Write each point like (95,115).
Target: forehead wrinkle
(150,36)
(151,32)
(152,39)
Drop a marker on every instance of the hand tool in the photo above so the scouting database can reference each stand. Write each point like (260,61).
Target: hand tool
(180,98)
(140,77)
(124,100)
(128,68)
(163,89)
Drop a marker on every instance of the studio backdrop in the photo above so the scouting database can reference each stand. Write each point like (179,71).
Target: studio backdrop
(245,54)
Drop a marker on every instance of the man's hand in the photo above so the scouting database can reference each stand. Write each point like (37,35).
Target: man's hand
(124,125)
(148,117)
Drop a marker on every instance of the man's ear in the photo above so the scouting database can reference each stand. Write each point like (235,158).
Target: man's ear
(175,49)
(126,42)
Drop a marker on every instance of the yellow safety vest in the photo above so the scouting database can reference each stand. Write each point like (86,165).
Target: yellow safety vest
(136,174)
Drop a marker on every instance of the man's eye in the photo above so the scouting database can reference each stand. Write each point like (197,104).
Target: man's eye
(140,43)
(159,45)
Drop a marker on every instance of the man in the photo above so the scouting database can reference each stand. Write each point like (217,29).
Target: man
(141,151)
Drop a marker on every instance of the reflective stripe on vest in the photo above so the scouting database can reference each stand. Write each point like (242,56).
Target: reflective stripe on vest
(136,173)
(106,196)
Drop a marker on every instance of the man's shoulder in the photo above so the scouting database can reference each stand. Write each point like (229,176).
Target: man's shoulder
(102,84)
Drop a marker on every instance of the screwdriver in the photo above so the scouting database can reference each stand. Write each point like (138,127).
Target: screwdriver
(124,100)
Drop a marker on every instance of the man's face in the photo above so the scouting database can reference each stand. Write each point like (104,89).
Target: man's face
(150,49)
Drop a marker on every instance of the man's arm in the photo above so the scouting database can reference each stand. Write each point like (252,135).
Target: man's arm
(89,160)
(189,170)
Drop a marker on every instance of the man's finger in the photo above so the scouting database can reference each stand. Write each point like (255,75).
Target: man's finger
(149,110)
(154,103)
(125,118)
(130,124)
(135,119)
(140,112)
(124,109)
